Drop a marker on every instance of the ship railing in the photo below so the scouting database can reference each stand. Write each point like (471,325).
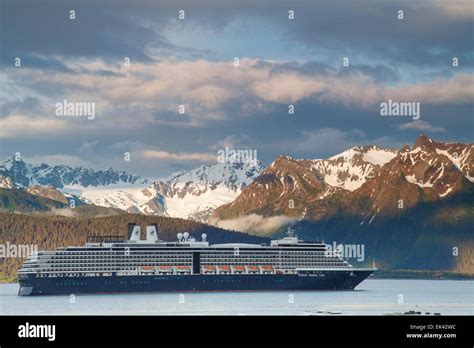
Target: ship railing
(105,239)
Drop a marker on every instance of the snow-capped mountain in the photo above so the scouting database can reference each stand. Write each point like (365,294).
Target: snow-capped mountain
(362,181)
(351,168)
(24,174)
(441,167)
(293,186)
(190,194)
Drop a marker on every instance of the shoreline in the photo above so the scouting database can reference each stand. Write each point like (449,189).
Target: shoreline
(421,274)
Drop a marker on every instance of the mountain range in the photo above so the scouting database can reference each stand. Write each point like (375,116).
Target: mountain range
(412,208)
(190,194)
(365,180)
(22,175)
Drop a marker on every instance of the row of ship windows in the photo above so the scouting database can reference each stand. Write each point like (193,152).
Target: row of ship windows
(124,269)
(177,262)
(171,262)
(224,262)
(227,252)
(128,258)
(213,250)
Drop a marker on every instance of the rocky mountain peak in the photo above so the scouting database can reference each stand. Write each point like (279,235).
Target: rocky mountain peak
(47,192)
(424,141)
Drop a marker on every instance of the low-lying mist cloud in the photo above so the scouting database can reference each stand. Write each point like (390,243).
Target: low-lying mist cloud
(254,223)
(67,212)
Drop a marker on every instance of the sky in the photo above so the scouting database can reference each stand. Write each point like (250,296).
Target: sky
(235,67)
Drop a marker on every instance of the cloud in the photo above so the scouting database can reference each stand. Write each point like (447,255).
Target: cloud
(422,126)
(462,9)
(210,96)
(366,30)
(15,125)
(216,90)
(179,156)
(68,212)
(457,89)
(88,147)
(287,87)
(329,139)
(254,223)
(61,159)
(233,141)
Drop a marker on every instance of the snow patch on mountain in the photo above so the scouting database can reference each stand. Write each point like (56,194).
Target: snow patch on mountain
(6,182)
(115,197)
(190,194)
(351,168)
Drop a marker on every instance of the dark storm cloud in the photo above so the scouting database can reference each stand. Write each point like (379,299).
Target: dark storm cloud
(428,35)
(44,28)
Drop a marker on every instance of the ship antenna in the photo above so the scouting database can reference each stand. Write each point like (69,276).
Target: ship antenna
(290,232)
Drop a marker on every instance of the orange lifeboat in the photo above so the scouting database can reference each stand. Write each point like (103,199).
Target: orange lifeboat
(147,269)
(267,269)
(165,269)
(209,269)
(239,268)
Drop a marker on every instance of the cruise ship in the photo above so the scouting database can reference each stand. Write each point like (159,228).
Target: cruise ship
(114,265)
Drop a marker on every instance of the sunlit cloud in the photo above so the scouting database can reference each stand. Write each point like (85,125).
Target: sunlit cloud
(422,126)
(178,156)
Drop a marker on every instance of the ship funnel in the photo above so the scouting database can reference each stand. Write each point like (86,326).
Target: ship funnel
(152,233)
(133,232)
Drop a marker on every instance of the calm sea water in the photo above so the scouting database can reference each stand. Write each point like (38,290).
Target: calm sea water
(372,297)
